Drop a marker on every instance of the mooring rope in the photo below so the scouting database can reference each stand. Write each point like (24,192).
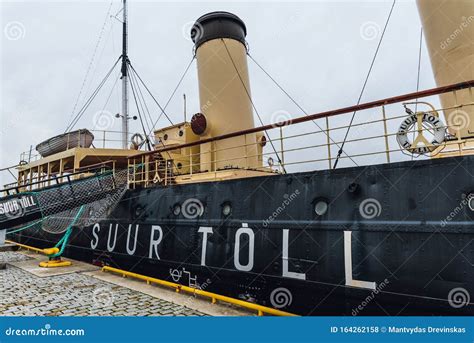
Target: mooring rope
(28,226)
(63,241)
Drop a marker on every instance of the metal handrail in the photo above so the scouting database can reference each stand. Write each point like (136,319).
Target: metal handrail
(189,164)
(326,114)
(293,149)
(101,139)
(96,167)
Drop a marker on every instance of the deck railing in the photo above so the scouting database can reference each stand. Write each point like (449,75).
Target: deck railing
(313,142)
(304,143)
(41,181)
(103,139)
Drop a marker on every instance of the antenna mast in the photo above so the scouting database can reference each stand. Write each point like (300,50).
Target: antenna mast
(124,78)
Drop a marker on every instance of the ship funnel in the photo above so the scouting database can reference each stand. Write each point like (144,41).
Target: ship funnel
(448,27)
(224,92)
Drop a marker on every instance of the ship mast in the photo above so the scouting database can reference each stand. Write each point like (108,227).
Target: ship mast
(124,78)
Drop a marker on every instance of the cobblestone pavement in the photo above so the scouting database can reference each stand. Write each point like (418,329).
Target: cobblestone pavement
(11,256)
(75,294)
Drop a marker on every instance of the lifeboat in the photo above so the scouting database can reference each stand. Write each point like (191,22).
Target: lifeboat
(82,138)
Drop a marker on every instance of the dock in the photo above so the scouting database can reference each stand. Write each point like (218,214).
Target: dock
(84,290)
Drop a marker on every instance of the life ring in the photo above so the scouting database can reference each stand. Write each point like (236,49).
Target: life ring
(420,144)
(137,141)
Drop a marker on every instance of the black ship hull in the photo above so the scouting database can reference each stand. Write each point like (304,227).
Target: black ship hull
(410,252)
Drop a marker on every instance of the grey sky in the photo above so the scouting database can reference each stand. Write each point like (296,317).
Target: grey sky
(314,49)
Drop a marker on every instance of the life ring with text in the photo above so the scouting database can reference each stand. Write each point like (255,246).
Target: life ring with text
(421,145)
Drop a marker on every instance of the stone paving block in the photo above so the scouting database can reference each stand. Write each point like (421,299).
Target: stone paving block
(73,294)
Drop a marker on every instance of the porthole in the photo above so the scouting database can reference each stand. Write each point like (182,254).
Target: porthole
(176,209)
(138,211)
(353,188)
(321,207)
(165,137)
(179,165)
(226,209)
(180,133)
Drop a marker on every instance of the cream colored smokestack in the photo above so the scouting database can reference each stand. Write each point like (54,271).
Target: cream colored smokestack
(448,26)
(224,91)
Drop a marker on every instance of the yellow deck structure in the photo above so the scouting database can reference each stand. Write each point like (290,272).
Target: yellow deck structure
(68,162)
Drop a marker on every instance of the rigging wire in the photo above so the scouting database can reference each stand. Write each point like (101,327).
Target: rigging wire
(147,136)
(163,109)
(149,92)
(99,58)
(91,98)
(172,94)
(138,108)
(365,84)
(298,105)
(138,98)
(101,33)
(255,108)
(143,101)
(110,94)
(8,169)
(419,63)
(418,78)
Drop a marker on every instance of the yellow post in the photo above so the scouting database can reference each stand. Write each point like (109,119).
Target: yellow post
(190,162)
(328,141)
(387,148)
(147,169)
(282,166)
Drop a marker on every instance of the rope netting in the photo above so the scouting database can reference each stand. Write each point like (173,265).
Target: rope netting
(78,203)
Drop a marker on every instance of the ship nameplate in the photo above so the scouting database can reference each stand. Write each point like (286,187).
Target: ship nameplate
(18,207)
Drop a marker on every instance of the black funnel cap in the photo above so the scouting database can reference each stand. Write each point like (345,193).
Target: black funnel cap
(217,25)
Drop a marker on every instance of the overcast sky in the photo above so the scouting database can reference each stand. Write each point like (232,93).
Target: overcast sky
(319,51)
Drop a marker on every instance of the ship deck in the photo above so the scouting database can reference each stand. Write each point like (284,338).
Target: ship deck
(84,290)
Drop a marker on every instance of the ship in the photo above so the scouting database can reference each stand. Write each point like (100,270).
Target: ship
(221,204)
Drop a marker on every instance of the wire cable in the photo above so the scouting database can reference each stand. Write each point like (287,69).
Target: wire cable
(173,93)
(133,82)
(298,105)
(365,84)
(149,92)
(110,94)
(138,108)
(101,33)
(91,98)
(143,101)
(418,78)
(255,108)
